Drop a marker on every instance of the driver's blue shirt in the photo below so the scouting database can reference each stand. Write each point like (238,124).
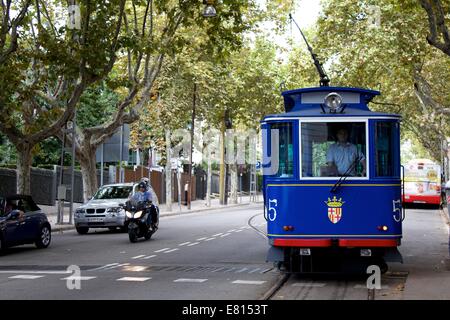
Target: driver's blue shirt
(142,196)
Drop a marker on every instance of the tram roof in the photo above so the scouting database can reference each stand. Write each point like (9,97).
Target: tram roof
(307,102)
(316,112)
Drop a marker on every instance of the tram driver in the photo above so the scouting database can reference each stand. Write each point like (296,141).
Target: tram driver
(342,155)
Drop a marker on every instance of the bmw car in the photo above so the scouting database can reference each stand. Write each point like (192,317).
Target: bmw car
(22,222)
(104,210)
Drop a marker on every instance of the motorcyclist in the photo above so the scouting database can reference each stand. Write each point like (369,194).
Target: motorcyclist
(143,194)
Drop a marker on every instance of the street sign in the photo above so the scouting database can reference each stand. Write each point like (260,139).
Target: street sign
(111,148)
(258,165)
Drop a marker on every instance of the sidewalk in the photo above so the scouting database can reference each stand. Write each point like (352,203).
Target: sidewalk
(426,255)
(196,206)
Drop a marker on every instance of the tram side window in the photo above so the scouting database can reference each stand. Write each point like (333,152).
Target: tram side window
(385,153)
(331,149)
(285,150)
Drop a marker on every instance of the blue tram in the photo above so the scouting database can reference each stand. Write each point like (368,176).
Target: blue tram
(331,185)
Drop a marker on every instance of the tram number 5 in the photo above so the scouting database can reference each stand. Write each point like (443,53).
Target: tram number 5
(396,208)
(272,212)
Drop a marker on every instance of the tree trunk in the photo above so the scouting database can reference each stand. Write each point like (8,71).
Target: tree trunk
(24,161)
(234,183)
(208,181)
(88,174)
(168,173)
(222,166)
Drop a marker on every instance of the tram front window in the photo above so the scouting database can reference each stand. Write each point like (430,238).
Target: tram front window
(332,149)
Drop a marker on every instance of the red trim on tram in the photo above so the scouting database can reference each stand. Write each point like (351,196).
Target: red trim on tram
(368,243)
(341,243)
(302,242)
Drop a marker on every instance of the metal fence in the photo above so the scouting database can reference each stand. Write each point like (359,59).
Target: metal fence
(44,184)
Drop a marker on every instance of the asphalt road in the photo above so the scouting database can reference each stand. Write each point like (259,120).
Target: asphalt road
(214,255)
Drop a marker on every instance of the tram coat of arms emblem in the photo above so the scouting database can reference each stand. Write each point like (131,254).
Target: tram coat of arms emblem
(334,209)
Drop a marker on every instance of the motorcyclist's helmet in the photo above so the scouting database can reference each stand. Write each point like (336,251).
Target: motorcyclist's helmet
(145,180)
(142,185)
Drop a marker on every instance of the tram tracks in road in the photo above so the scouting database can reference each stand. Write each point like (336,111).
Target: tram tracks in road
(249,223)
(282,277)
(281,281)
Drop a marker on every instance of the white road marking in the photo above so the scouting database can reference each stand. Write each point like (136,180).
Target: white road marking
(78,278)
(193,244)
(161,250)
(190,280)
(184,243)
(242,270)
(248,282)
(172,250)
(200,239)
(254,270)
(140,256)
(244,227)
(232,230)
(36,272)
(149,257)
(218,269)
(225,235)
(309,284)
(105,266)
(136,279)
(217,234)
(116,266)
(209,239)
(239,230)
(26,277)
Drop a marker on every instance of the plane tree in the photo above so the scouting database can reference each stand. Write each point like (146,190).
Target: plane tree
(385,47)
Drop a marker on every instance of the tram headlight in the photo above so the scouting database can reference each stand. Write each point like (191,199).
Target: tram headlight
(333,101)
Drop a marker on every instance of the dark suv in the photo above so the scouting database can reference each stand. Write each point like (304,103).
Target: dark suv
(22,222)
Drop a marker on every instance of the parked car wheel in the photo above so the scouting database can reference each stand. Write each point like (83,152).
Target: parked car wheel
(45,237)
(82,230)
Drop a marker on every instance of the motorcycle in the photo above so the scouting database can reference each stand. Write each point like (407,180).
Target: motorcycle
(137,220)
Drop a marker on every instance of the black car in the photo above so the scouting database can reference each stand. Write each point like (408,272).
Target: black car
(22,222)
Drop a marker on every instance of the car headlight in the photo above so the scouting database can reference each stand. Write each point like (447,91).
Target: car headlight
(128,214)
(138,214)
(114,209)
(80,210)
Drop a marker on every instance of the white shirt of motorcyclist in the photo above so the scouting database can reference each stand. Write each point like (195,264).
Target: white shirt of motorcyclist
(343,155)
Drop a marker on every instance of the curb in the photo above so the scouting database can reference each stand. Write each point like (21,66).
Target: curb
(66,227)
(445,216)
